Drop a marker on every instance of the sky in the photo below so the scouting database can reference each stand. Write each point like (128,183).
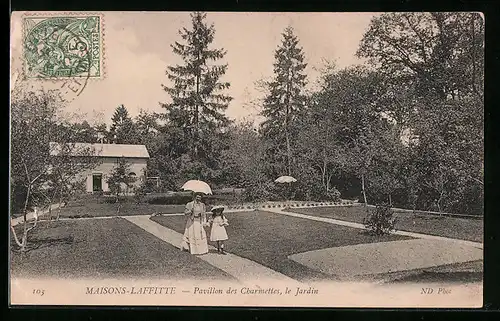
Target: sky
(137,53)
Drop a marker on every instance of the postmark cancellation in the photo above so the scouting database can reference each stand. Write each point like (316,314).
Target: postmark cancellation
(63,46)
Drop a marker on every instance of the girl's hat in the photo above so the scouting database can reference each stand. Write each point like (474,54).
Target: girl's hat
(217,207)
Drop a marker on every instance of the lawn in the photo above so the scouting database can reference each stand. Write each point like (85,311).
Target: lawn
(459,228)
(93,209)
(269,238)
(105,248)
(461,273)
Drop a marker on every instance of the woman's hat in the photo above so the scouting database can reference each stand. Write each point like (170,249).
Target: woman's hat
(217,207)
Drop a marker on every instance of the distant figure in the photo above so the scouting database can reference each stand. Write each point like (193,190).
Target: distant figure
(218,233)
(195,237)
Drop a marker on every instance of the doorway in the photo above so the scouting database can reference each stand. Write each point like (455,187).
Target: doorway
(97,182)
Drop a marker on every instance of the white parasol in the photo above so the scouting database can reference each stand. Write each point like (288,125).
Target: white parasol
(285,179)
(197,187)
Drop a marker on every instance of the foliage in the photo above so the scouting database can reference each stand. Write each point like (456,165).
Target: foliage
(122,130)
(443,51)
(147,127)
(434,63)
(284,104)
(75,132)
(381,220)
(63,178)
(32,129)
(333,195)
(406,128)
(243,158)
(146,186)
(260,191)
(174,199)
(119,180)
(195,115)
(41,170)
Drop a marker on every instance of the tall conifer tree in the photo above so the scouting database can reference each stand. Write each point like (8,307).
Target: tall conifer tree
(122,130)
(285,102)
(196,111)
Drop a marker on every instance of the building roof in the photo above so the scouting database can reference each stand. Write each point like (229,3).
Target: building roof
(102,150)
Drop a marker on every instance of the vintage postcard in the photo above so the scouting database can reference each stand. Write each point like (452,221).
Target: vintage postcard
(247,159)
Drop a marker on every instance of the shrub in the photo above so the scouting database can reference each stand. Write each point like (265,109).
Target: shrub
(381,220)
(113,200)
(141,191)
(260,192)
(174,199)
(333,195)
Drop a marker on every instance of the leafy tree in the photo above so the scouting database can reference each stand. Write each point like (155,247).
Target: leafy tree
(317,141)
(68,160)
(37,177)
(386,179)
(122,130)
(442,51)
(119,180)
(32,118)
(195,115)
(353,93)
(84,133)
(284,103)
(147,125)
(102,133)
(436,62)
(243,158)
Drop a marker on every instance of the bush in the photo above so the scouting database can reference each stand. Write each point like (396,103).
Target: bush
(113,199)
(181,198)
(228,199)
(381,220)
(142,190)
(333,195)
(174,199)
(259,193)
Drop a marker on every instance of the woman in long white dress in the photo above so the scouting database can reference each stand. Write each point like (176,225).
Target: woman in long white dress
(195,237)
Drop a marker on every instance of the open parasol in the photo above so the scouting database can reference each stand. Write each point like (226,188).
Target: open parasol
(197,187)
(285,179)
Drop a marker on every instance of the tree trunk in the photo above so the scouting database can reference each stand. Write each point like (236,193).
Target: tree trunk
(24,239)
(438,203)
(289,157)
(363,188)
(390,200)
(58,215)
(118,203)
(287,138)
(473,53)
(25,214)
(328,178)
(196,111)
(324,178)
(287,133)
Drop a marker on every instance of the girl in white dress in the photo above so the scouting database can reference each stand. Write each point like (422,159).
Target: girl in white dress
(218,233)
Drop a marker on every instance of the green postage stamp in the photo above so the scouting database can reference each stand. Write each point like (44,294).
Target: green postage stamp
(63,46)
